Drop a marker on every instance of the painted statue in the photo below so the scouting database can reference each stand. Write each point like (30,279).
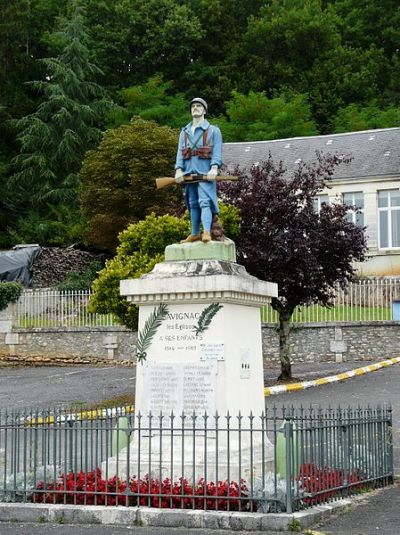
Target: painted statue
(199,155)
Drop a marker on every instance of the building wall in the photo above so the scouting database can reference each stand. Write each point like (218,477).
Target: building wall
(380,262)
(308,343)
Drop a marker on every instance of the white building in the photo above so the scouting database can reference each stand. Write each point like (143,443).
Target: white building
(371,181)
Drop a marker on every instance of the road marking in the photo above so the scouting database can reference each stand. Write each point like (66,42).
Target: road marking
(89,414)
(292,387)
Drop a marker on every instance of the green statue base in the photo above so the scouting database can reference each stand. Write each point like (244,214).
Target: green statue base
(213,250)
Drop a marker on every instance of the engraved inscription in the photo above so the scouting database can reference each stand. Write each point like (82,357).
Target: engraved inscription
(179,387)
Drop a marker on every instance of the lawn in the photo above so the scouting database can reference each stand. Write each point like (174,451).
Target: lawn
(317,313)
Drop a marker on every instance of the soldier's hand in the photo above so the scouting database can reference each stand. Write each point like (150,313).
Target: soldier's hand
(212,173)
(179,178)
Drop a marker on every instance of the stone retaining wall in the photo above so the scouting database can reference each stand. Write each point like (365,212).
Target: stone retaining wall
(100,342)
(317,342)
(308,342)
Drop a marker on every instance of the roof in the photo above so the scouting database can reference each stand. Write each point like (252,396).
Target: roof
(375,152)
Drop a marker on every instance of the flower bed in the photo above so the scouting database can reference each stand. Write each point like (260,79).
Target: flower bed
(327,483)
(90,488)
(315,485)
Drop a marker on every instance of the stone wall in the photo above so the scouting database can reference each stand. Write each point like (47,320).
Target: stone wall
(375,340)
(308,342)
(100,342)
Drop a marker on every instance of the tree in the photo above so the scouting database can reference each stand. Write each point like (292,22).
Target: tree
(152,101)
(214,72)
(134,40)
(344,76)
(354,117)
(363,22)
(282,43)
(118,179)
(255,117)
(55,137)
(284,240)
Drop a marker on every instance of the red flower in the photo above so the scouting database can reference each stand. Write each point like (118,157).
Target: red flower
(90,488)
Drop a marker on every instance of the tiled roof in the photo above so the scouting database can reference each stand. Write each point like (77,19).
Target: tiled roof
(375,152)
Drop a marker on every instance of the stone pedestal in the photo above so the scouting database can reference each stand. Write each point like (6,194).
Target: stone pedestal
(199,351)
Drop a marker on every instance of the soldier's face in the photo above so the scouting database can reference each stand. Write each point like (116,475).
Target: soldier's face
(197,109)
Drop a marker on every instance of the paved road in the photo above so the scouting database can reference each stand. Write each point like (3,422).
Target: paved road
(376,514)
(377,388)
(49,386)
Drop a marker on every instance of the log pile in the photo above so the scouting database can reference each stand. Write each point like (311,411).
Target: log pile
(54,264)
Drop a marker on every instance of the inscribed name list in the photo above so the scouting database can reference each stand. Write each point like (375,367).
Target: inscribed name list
(179,387)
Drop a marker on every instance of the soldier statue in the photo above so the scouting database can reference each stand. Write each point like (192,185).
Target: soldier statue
(199,155)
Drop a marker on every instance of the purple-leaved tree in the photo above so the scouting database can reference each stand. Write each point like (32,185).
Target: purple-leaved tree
(284,240)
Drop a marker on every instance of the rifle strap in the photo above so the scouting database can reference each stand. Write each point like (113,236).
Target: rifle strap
(194,145)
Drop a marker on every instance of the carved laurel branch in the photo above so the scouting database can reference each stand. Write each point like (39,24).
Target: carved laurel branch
(146,335)
(206,317)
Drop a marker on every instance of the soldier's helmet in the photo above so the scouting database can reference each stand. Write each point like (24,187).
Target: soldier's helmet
(200,100)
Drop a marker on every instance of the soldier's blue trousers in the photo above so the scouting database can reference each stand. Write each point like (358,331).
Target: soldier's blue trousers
(202,204)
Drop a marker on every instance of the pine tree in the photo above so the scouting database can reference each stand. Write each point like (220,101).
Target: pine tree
(65,125)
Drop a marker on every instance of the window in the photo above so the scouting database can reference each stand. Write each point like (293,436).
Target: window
(355,198)
(389,218)
(318,201)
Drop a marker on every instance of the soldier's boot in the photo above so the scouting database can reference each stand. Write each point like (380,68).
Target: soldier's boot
(191,238)
(205,237)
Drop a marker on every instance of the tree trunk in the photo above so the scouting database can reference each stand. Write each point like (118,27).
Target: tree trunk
(284,330)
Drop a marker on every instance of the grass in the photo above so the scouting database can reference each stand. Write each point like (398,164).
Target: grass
(294,526)
(90,320)
(317,313)
(120,400)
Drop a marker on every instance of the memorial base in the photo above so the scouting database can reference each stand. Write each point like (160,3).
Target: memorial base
(211,455)
(199,352)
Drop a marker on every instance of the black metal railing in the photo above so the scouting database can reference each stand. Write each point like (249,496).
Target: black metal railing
(283,460)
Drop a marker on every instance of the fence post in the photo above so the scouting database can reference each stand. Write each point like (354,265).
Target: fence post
(389,424)
(288,431)
(346,453)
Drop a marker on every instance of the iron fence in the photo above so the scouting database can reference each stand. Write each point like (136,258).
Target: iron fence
(284,460)
(364,300)
(54,308)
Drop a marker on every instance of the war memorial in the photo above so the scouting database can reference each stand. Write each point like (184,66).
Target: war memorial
(199,339)
(200,436)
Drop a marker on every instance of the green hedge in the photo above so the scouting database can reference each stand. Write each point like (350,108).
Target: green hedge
(9,293)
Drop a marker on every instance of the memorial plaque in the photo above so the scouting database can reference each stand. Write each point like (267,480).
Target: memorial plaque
(212,351)
(178,387)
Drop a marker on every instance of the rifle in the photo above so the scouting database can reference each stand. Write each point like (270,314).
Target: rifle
(190,179)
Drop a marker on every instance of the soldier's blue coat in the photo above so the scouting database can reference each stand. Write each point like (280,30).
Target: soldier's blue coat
(201,166)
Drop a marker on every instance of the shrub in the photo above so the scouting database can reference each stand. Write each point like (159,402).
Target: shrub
(81,280)
(141,247)
(9,293)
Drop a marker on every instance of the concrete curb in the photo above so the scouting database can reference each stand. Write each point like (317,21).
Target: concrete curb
(146,516)
(270,391)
